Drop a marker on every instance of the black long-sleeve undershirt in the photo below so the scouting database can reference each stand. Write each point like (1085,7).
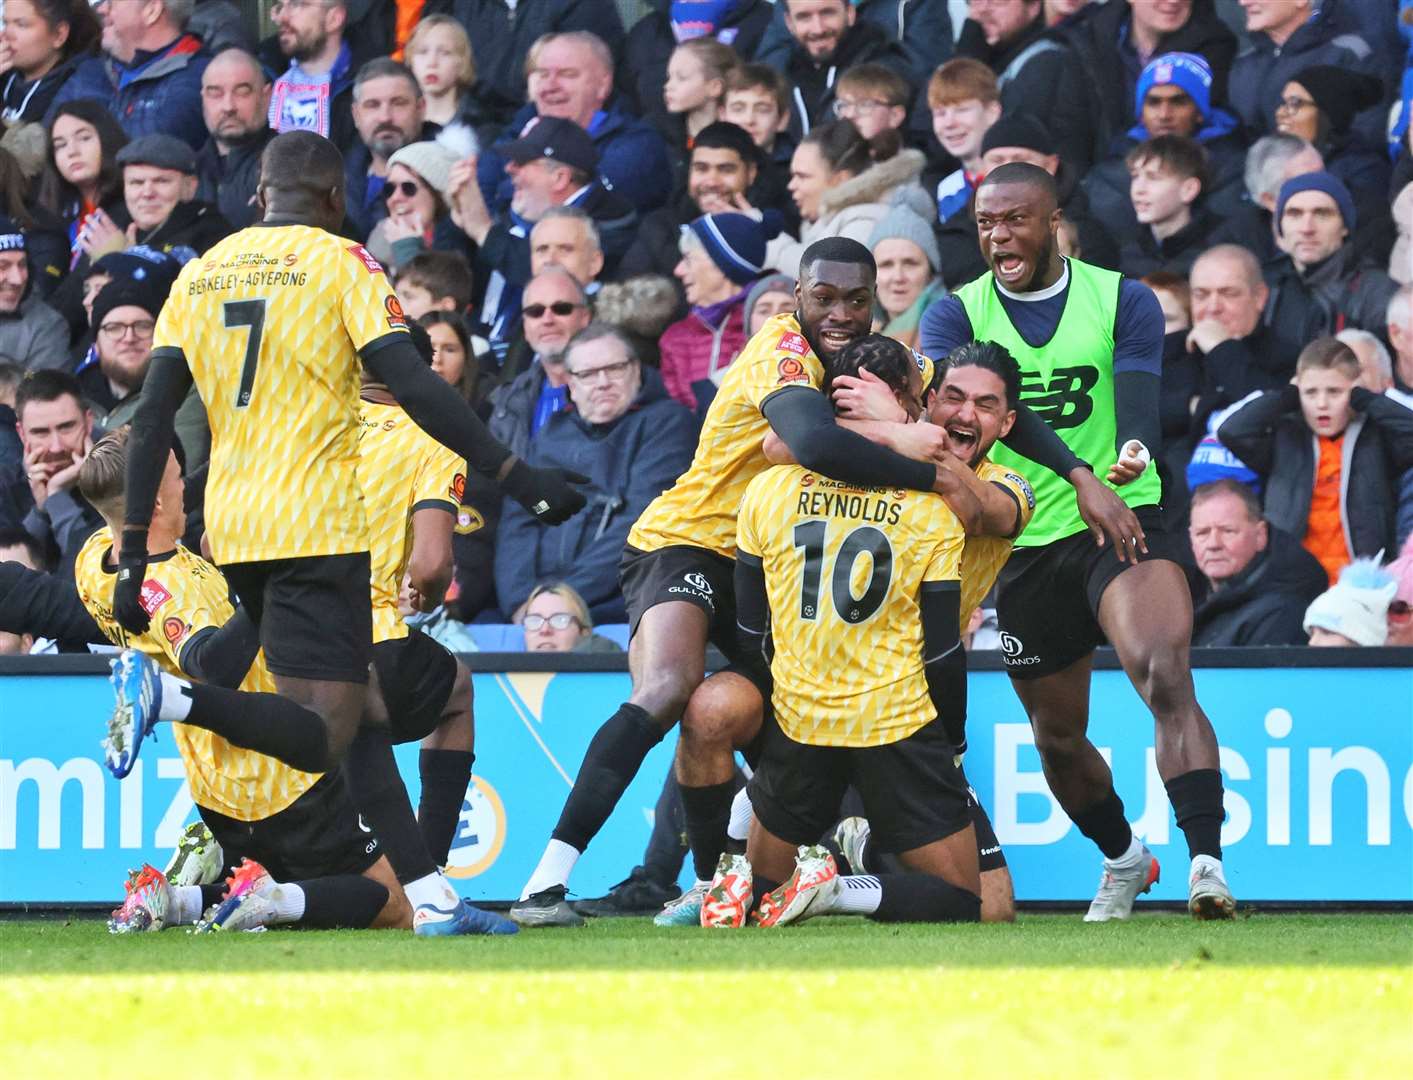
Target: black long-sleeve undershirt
(944,659)
(804,420)
(222,655)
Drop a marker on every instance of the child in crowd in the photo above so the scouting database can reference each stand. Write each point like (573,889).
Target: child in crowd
(965,102)
(1166,178)
(874,97)
(1331,454)
(696,84)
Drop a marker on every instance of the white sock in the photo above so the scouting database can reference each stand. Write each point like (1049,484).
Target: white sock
(186,905)
(432,889)
(1208,861)
(1129,859)
(176,704)
(555,864)
(288,904)
(858,894)
(739,826)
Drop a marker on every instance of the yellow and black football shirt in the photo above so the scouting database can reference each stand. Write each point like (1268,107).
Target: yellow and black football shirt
(983,556)
(184,594)
(402,469)
(700,508)
(270,322)
(844,567)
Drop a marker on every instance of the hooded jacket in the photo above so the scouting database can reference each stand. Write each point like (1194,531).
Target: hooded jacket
(159,92)
(812,85)
(922,28)
(33,101)
(1265,603)
(1099,36)
(1270,435)
(854,207)
(1262,69)
(630,462)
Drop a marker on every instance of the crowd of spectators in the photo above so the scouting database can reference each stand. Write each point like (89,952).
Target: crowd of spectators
(593,204)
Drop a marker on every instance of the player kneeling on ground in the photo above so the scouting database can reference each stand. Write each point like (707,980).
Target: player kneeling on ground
(974,405)
(304,858)
(852,595)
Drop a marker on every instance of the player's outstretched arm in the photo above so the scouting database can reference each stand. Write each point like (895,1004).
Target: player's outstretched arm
(548,494)
(41,604)
(163,391)
(804,420)
(222,655)
(944,659)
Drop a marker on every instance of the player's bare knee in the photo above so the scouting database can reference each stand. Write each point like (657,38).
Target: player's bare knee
(1163,679)
(1056,743)
(664,695)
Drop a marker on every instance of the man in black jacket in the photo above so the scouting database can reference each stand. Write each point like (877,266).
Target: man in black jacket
(827,42)
(235,102)
(1258,580)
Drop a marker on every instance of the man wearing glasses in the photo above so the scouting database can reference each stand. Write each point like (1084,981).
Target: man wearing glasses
(826,40)
(625,433)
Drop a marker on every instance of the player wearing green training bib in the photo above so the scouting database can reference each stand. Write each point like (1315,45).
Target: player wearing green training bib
(1089,344)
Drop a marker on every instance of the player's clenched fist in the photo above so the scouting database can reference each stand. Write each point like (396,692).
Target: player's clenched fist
(549,494)
(127,592)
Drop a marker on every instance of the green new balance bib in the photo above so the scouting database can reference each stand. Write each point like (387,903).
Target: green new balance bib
(1069,382)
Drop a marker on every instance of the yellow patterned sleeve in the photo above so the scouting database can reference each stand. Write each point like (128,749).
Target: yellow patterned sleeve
(949,541)
(1017,485)
(367,304)
(441,481)
(776,359)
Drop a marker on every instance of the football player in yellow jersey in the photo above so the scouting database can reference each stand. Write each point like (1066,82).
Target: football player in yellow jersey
(676,569)
(972,407)
(317,866)
(847,606)
(411,486)
(271,325)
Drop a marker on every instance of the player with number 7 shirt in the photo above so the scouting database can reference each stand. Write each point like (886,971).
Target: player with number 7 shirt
(271,326)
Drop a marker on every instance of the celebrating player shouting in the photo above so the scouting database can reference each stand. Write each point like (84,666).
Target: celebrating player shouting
(1090,345)
(271,325)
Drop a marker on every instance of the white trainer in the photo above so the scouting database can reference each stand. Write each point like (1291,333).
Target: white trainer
(1118,889)
(1208,895)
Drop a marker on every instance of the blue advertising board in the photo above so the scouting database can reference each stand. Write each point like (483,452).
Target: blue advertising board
(1318,764)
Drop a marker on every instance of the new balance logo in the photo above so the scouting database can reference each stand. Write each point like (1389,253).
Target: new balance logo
(1063,401)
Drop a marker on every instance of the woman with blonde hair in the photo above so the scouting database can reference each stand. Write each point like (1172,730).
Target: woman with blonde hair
(556,619)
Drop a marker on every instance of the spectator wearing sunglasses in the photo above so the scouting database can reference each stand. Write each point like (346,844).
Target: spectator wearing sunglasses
(630,439)
(419,218)
(556,619)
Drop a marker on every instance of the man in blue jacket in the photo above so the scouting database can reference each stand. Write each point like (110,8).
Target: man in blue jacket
(150,74)
(571,78)
(632,440)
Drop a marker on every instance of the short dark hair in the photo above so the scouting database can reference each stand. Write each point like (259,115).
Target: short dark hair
(301,160)
(11,375)
(1022,172)
(442,274)
(384,67)
(838,249)
(992,357)
(721,135)
(17,537)
(886,357)
(46,385)
(1174,153)
(1228,486)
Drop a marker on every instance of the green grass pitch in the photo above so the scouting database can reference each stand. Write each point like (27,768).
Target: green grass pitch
(1271,995)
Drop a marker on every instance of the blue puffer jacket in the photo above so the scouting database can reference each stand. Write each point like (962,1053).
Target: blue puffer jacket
(632,158)
(630,463)
(157,92)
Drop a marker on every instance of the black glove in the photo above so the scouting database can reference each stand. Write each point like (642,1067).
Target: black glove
(127,593)
(545,493)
